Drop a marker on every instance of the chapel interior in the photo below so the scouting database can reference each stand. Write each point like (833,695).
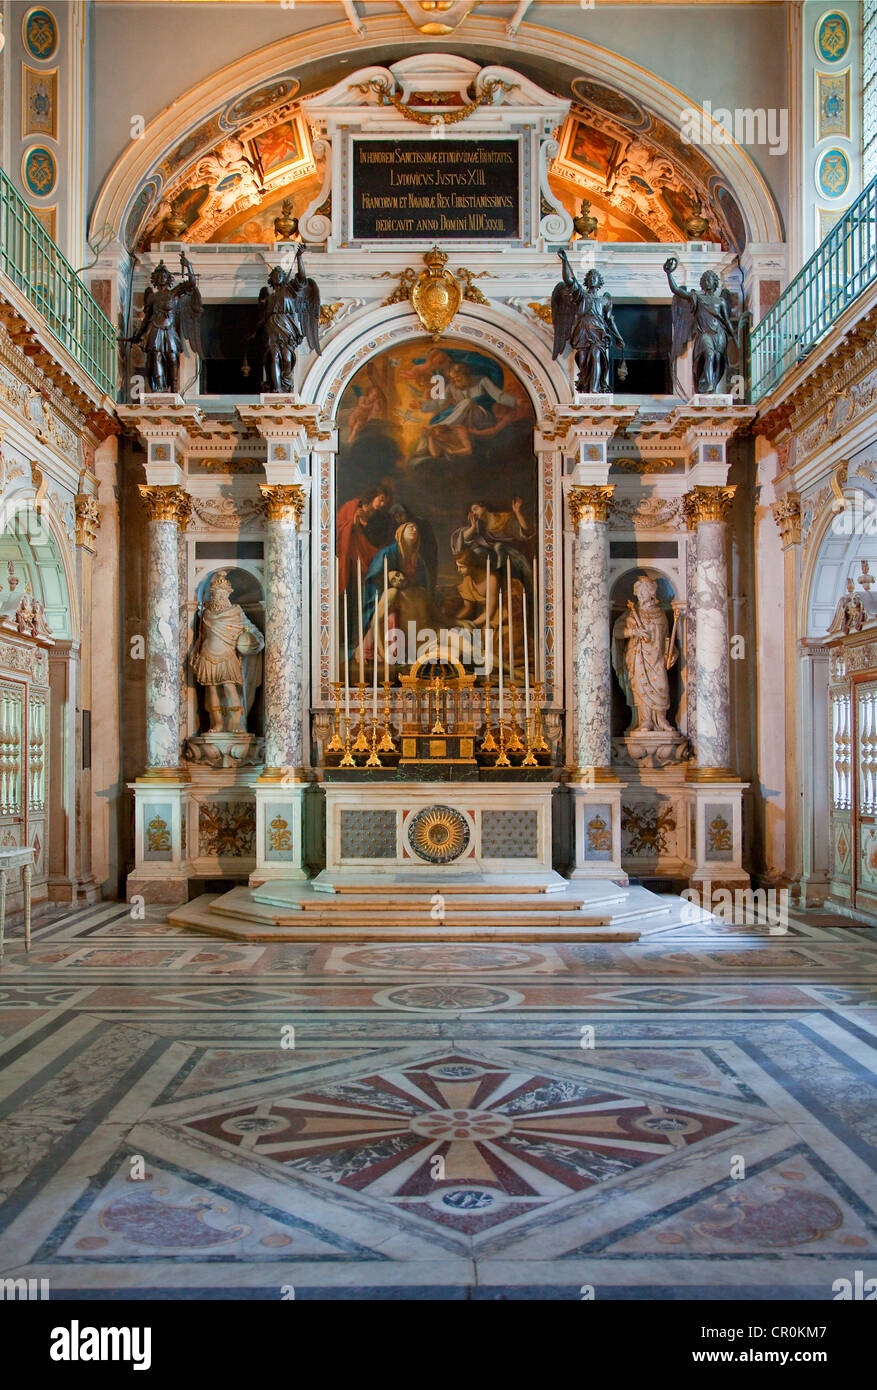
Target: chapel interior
(438,648)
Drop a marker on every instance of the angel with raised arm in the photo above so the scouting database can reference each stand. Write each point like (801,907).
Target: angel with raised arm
(583,320)
(171,318)
(702,317)
(289,314)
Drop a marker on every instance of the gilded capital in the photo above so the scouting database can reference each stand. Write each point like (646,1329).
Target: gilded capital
(707,504)
(787,515)
(283,501)
(88,515)
(589,504)
(166,503)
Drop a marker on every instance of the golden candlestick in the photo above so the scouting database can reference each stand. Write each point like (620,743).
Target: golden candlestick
(530,760)
(488,743)
(438,686)
(502,758)
(335,744)
(348,760)
(515,744)
(539,744)
(387,745)
(374,760)
(361,744)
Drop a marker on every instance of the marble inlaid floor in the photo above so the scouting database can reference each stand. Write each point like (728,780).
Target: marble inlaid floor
(186,1118)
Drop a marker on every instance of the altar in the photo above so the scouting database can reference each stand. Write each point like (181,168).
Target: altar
(439,604)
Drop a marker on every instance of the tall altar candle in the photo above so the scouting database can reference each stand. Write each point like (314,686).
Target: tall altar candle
(500,656)
(359,600)
(508,564)
(526,668)
(346,666)
(386,627)
(488,630)
(375,676)
(537,622)
(335,633)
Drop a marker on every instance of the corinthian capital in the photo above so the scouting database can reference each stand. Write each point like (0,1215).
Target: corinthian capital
(589,504)
(707,504)
(283,502)
(787,515)
(166,503)
(88,515)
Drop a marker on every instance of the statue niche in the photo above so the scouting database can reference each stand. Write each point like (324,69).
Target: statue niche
(226,662)
(645,649)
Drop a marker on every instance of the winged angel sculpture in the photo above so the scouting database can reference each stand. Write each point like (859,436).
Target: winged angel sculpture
(702,317)
(289,314)
(171,318)
(583,320)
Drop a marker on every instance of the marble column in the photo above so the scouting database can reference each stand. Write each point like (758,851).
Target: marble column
(168,511)
(589,512)
(284,715)
(706,511)
(594,789)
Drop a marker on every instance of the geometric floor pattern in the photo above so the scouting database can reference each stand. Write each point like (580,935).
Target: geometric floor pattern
(693,1115)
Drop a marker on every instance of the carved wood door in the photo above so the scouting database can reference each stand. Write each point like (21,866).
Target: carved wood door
(23,769)
(865,792)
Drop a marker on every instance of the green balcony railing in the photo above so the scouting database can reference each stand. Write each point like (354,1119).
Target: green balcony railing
(36,267)
(833,278)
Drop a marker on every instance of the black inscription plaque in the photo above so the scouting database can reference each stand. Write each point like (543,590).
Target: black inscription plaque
(437,189)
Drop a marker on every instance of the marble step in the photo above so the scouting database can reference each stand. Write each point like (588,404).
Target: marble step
(454,906)
(214,917)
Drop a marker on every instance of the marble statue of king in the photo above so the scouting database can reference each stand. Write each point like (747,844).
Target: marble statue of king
(649,653)
(226,659)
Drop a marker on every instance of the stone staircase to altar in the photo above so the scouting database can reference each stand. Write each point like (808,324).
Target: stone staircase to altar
(401,911)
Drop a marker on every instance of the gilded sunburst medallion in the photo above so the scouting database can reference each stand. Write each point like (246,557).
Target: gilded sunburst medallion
(438,834)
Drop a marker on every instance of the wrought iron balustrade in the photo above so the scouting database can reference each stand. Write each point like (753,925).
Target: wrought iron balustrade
(32,261)
(833,278)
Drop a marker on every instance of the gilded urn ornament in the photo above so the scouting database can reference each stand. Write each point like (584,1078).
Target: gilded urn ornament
(438,834)
(436,294)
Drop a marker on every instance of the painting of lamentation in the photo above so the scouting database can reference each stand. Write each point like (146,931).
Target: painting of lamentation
(436,501)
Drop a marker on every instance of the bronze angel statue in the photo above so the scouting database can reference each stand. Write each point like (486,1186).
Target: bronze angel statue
(289,314)
(702,317)
(171,318)
(583,320)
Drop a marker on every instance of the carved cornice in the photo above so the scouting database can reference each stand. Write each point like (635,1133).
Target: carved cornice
(707,504)
(88,518)
(166,503)
(283,502)
(589,504)
(853,357)
(787,515)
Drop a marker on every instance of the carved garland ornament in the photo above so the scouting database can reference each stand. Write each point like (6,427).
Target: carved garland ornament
(389,96)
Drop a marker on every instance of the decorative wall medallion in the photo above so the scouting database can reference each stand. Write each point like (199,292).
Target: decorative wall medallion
(436,294)
(38,170)
(833,174)
(832,36)
(599,834)
(833,104)
(719,834)
(40,34)
(39,102)
(438,834)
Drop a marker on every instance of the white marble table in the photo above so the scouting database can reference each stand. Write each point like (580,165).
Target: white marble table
(19,857)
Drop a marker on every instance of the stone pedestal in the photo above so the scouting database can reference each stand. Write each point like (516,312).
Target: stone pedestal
(596,820)
(280,809)
(160,875)
(716,810)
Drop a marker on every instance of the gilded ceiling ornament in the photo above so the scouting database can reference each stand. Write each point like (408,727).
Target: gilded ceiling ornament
(787,515)
(166,503)
(437,16)
(589,504)
(283,502)
(707,504)
(542,311)
(328,312)
(410,113)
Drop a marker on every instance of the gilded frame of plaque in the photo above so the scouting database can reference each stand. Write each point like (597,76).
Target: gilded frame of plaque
(832,108)
(48,219)
(39,101)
